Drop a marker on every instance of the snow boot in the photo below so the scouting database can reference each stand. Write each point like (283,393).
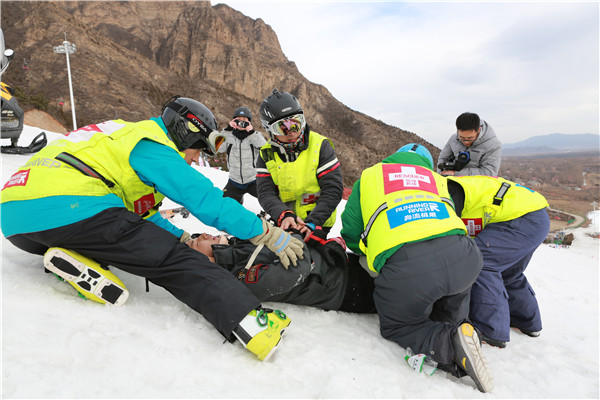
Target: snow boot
(469,357)
(86,275)
(260,331)
(493,342)
(528,333)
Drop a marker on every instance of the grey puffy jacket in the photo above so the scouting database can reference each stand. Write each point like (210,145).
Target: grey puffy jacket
(485,152)
(241,155)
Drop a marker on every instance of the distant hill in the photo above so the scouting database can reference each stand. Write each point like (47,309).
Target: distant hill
(554,143)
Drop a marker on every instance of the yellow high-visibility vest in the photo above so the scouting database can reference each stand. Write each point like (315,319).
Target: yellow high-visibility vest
(297,180)
(490,199)
(105,148)
(403,203)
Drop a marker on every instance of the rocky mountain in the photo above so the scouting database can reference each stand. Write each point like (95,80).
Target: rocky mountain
(133,55)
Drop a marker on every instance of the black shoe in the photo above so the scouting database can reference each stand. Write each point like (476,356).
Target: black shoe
(528,333)
(469,357)
(493,342)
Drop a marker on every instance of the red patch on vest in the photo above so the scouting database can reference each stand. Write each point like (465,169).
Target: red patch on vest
(18,179)
(474,225)
(398,177)
(144,203)
(310,198)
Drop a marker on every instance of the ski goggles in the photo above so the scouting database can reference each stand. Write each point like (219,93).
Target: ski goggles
(285,126)
(210,144)
(214,142)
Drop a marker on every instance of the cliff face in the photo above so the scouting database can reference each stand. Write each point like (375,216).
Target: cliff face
(132,56)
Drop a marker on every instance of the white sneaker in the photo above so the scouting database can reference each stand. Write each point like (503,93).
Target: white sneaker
(420,362)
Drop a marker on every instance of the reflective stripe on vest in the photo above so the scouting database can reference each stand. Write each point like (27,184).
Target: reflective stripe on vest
(403,203)
(490,199)
(297,181)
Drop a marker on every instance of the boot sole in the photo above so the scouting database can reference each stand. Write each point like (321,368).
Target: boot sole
(472,360)
(83,278)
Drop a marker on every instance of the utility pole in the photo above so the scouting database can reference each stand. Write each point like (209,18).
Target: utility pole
(595,218)
(68,48)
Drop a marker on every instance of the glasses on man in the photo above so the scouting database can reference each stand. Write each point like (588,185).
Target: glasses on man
(288,125)
(470,138)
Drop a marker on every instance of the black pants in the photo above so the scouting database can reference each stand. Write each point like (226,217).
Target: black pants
(422,293)
(124,240)
(230,190)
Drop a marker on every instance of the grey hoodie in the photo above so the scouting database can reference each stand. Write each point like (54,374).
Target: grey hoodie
(485,152)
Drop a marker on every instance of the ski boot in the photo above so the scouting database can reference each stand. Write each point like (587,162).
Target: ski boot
(469,357)
(86,275)
(260,331)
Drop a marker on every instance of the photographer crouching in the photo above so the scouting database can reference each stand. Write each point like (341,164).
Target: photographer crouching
(473,150)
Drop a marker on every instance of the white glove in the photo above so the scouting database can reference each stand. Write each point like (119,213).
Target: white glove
(185,236)
(281,243)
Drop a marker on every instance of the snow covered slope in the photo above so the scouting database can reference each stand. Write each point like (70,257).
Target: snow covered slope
(56,345)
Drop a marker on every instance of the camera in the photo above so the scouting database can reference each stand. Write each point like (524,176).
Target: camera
(241,123)
(456,163)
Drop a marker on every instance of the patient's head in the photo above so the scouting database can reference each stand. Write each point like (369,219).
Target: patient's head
(203,243)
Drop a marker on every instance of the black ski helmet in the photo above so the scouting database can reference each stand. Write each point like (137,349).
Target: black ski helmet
(243,112)
(189,123)
(276,106)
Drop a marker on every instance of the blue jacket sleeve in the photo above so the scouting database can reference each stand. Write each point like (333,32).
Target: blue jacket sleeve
(161,167)
(165,224)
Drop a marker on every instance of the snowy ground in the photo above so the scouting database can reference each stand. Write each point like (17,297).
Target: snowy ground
(56,345)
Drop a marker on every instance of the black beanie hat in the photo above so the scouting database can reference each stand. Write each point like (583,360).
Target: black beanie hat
(243,112)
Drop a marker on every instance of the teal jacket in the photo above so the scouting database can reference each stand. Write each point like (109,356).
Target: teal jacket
(156,165)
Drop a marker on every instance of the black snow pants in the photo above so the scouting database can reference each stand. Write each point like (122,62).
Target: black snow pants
(422,293)
(124,240)
(237,193)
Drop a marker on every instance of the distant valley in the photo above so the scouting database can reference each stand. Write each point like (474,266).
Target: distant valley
(555,143)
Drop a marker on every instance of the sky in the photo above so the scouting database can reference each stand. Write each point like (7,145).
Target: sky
(527,68)
(56,345)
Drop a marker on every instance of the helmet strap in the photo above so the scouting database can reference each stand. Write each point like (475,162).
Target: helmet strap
(178,108)
(169,102)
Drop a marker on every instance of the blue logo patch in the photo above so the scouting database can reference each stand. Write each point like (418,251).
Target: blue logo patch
(415,211)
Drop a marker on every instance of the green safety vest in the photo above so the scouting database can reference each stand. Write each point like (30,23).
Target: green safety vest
(105,148)
(490,199)
(297,181)
(403,203)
